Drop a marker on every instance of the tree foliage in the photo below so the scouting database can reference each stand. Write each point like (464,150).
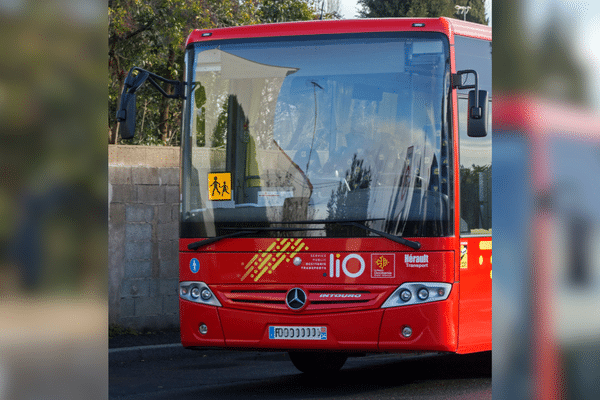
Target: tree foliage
(545,63)
(559,72)
(151,34)
(422,8)
(286,10)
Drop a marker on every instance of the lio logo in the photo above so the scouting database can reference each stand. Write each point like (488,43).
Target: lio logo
(352,265)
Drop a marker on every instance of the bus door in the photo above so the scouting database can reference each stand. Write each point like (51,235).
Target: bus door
(475,163)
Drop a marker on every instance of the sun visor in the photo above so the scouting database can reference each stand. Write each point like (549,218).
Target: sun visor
(234,67)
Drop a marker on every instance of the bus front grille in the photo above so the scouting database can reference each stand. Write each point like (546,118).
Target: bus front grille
(318,298)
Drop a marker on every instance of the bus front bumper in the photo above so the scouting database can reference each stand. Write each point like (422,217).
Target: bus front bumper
(424,327)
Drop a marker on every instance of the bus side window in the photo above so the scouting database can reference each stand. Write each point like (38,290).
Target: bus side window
(475,152)
(475,176)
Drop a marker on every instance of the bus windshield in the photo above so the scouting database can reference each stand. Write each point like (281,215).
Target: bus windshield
(316,131)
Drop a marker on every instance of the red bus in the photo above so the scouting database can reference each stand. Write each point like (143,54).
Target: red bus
(546,188)
(335,188)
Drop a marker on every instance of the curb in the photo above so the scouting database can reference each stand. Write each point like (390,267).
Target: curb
(140,353)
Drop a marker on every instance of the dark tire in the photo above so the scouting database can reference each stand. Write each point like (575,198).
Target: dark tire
(316,362)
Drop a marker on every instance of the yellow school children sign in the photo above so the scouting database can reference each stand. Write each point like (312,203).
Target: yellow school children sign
(219,186)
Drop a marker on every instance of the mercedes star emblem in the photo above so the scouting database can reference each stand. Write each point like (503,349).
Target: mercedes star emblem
(295,299)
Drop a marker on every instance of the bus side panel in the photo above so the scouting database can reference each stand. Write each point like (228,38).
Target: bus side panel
(475,307)
(434,326)
(345,331)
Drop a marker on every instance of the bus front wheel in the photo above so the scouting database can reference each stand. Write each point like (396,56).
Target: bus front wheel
(316,362)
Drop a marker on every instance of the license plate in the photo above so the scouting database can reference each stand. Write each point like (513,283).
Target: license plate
(298,332)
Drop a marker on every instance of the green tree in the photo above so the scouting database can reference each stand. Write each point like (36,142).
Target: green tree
(422,8)
(287,10)
(151,34)
(560,74)
(512,66)
(544,64)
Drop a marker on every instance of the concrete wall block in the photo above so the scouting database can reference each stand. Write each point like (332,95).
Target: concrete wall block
(144,176)
(172,320)
(168,231)
(127,308)
(154,288)
(168,255)
(162,156)
(157,322)
(169,176)
(136,287)
(126,155)
(132,322)
(119,175)
(144,156)
(145,306)
(123,194)
(116,258)
(143,245)
(168,249)
(150,194)
(150,322)
(137,269)
(172,194)
(116,216)
(169,287)
(169,268)
(138,251)
(139,213)
(165,214)
(138,232)
(170,304)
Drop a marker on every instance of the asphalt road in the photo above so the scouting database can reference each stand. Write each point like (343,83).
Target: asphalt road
(171,372)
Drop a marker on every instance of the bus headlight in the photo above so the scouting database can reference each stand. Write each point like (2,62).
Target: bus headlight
(206,294)
(426,292)
(203,329)
(405,295)
(198,292)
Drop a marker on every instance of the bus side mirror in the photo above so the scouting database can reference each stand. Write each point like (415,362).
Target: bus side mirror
(477,121)
(478,101)
(127,109)
(126,115)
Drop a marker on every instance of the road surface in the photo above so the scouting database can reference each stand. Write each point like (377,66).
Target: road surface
(222,374)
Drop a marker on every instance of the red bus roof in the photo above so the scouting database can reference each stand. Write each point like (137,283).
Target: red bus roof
(448,26)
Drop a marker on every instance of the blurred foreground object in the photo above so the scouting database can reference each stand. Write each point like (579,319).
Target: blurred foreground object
(546,185)
(53,348)
(53,190)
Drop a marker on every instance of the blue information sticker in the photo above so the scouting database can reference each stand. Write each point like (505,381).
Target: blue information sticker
(194,265)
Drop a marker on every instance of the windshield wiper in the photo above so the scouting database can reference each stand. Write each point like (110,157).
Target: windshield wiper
(398,239)
(205,242)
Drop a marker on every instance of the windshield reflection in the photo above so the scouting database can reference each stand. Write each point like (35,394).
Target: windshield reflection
(307,131)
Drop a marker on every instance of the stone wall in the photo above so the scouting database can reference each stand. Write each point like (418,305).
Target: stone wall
(143,230)
(144,156)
